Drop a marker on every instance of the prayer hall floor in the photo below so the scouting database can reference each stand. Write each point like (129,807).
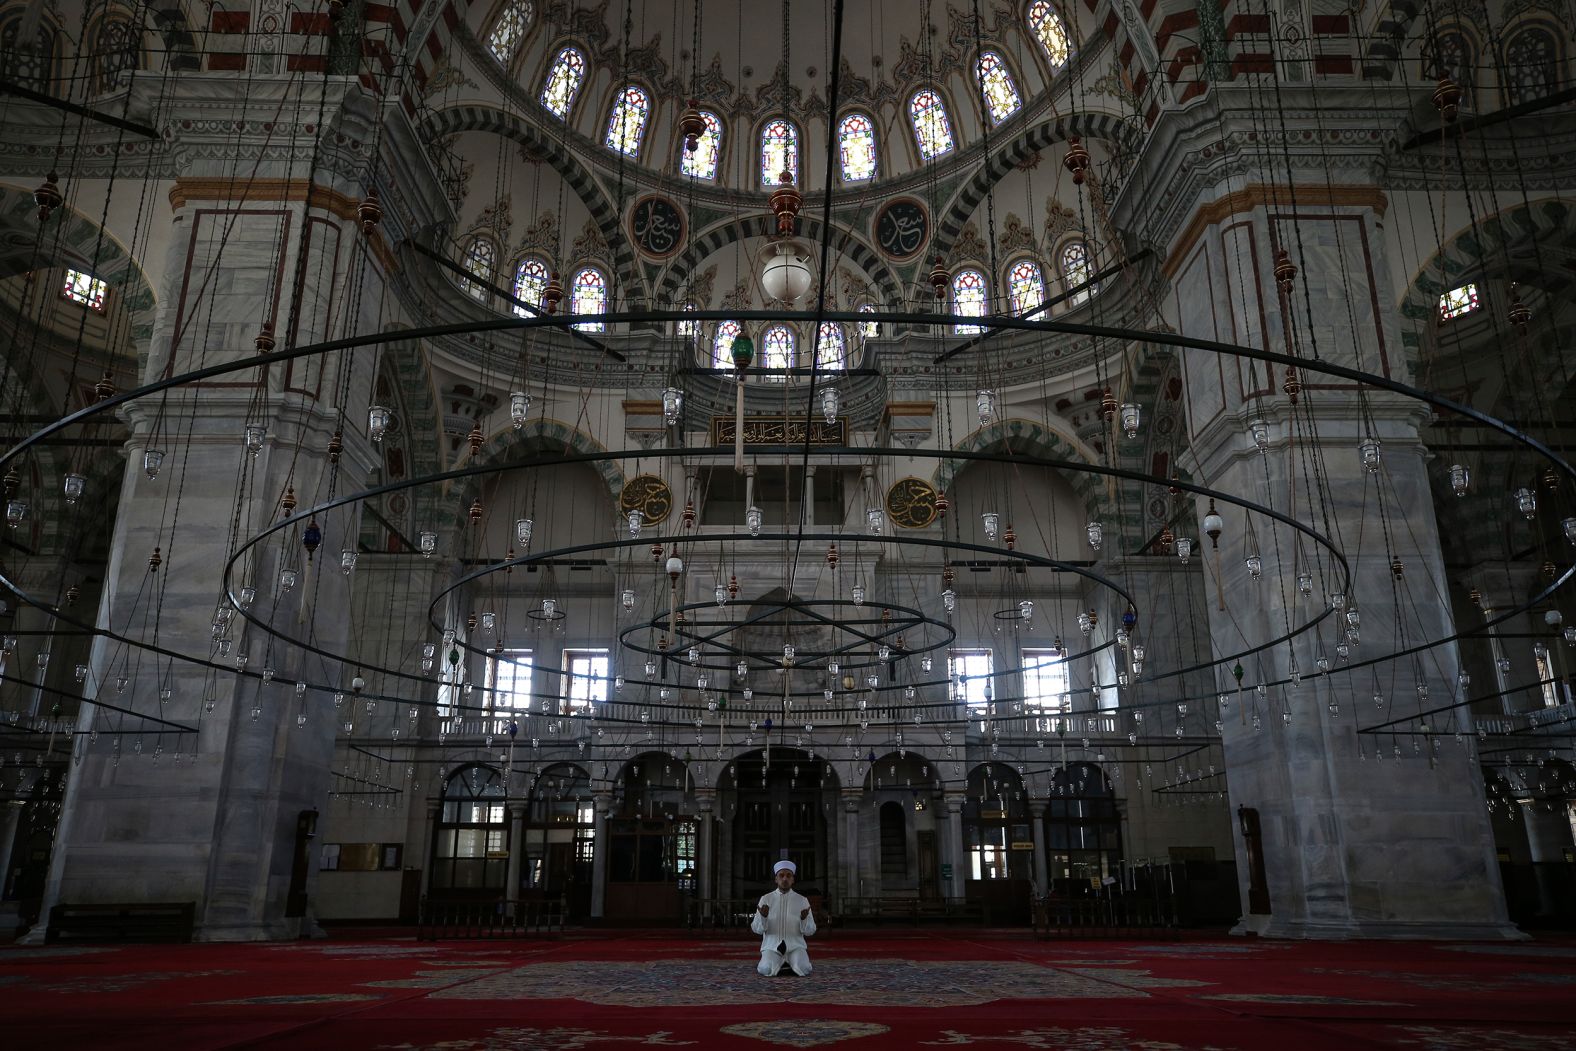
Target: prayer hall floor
(870,991)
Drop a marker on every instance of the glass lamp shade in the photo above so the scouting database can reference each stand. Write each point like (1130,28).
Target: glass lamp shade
(1025,609)
(1132,416)
(672,405)
(674,566)
(1305,583)
(985,403)
(378,417)
(627,599)
(255,433)
(1527,502)
(1368,450)
(428,542)
(1568,527)
(859,594)
(519,408)
(1460,478)
(635,518)
(549,607)
(949,600)
(1261,433)
(875,520)
(523,529)
(347,561)
(152,460)
(752,520)
(1255,566)
(785,270)
(74,486)
(15,513)
(992,523)
(720,593)
(1184,548)
(1096,533)
(830,401)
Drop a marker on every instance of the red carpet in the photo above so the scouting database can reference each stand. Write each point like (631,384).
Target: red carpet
(870,992)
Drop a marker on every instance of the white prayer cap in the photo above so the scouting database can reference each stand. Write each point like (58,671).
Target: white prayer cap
(790,866)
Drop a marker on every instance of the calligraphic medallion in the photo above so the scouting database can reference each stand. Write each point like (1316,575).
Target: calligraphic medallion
(656,226)
(902,228)
(649,495)
(912,503)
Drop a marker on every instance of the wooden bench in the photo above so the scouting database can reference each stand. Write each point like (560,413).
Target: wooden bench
(141,922)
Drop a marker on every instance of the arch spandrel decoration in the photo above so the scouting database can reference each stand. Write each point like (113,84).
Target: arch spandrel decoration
(1027,436)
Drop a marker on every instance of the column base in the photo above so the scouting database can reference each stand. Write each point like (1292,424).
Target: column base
(1270,927)
(271,931)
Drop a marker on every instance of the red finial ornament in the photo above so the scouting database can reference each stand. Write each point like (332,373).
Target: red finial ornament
(370,212)
(1076,160)
(552,294)
(1447,99)
(1285,271)
(785,203)
(692,126)
(48,196)
(939,278)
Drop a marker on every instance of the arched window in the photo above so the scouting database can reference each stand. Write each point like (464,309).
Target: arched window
(1026,286)
(869,329)
(627,123)
(932,126)
(997,90)
(117,50)
(480,258)
(589,297)
(777,349)
(856,147)
(708,149)
(688,327)
(1085,830)
(471,849)
(1532,65)
(1452,55)
(722,344)
(30,62)
(530,279)
(968,299)
(1048,29)
(563,82)
(509,30)
(779,152)
(831,349)
(1074,264)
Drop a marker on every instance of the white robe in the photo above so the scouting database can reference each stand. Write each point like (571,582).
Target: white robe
(783,932)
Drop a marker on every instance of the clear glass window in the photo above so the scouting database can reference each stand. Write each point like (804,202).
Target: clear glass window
(970,671)
(510,680)
(1046,686)
(585,677)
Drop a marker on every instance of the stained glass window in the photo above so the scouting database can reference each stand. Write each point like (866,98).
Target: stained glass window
(831,351)
(627,123)
(856,145)
(1531,65)
(1049,31)
(722,345)
(117,50)
(779,151)
(563,82)
(30,62)
(480,256)
(509,30)
(1458,301)
(968,299)
(869,329)
(777,349)
(84,289)
(688,326)
(932,127)
(530,278)
(1026,285)
(996,87)
(708,149)
(589,297)
(1074,262)
(1451,56)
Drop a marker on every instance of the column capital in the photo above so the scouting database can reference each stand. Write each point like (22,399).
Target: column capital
(517,810)
(954,803)
(1037,807)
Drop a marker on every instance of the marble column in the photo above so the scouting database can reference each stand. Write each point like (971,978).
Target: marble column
(1037,809)
(516,850)
(955,844)
(1356,844)
(853,882)
(429,829)
(705,803)
(603,807)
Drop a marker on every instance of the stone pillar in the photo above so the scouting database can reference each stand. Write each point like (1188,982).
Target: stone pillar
(282,254)
(604,806)
(1354,847)
(705,803)
(808,512)
(1042,880)
(853,883)
(955,844)
(428,830)
(516,850)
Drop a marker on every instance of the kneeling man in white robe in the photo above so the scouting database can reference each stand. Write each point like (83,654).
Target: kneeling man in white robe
(783,920)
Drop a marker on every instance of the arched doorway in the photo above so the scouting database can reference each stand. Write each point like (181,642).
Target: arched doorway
(652,849)
(559,844)
(1083,830)
(998,843)
(780,803)
(470,847)
(900,787)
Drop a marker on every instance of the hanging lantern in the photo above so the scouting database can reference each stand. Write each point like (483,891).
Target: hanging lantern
(336,446)
(552,294)
(15,513)
(1527,502)
(1447,99)
(788,654)
(1184,548)
(627,599)
(673,567)
(1025,609)
(549,608)
(73,487)
(858,592)
(427,542)
(943,505)
(287,579)
(1166,539)
(1368,450)
(1337,600)
(1096,534)
(347,561)
(1261,434)
(949,600)
(692,125)
(1285,271)
(519,408)
(523,527)
(985,403)
(370,212)
(672,405)
(733,588)
(1291,386)
(635,518)
(1460,478)
(48,196)
(875,521)
(939,278)
(829,404)
(1107,405)
(475,439)
(1085,622)
(152,460)
(1305,582)
(1131,416)
(1568,527)
(752,520)
(1213,525)
(255,433)
(378,417)
(311,537)
(991,521)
